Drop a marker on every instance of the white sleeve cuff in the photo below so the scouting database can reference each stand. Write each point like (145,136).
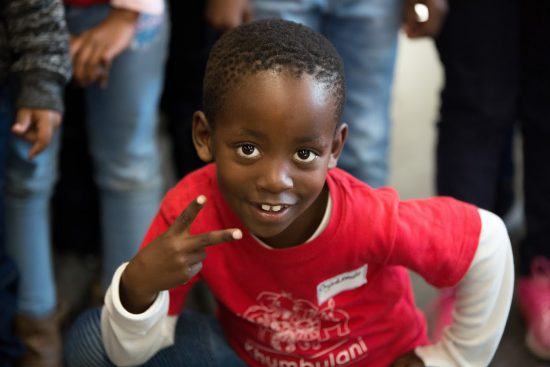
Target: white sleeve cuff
(153,7)
(131,339)
(135,323)
(483,299)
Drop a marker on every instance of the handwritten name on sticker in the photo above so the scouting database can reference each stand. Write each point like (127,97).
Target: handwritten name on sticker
(341,282)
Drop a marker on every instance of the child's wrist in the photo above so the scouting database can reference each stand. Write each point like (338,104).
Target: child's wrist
(134,295)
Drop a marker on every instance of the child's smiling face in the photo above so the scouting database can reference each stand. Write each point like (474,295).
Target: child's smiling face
(273,142)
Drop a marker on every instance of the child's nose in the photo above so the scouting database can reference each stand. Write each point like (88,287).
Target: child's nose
(276,178)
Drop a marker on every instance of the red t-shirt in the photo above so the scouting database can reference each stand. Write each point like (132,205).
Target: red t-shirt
(342,299)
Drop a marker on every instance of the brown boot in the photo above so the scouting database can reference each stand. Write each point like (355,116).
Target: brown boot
(42,340)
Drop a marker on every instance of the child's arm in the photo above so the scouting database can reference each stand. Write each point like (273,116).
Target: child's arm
(134,321)
(131,339)
(483,301)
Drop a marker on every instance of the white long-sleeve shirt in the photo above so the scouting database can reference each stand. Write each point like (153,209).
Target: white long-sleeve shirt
(483,301)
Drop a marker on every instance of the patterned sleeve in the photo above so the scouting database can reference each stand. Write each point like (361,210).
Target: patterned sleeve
(39,43)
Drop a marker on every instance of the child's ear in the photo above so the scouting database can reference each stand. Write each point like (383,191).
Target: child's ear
(337,144)
(202,137)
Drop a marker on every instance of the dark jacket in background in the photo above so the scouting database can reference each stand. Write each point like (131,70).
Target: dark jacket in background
(34,50)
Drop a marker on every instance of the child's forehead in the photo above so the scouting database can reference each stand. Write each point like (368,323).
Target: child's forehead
(279,102)
(280,90)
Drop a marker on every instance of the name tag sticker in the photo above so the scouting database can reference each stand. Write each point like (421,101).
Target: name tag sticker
(341,282)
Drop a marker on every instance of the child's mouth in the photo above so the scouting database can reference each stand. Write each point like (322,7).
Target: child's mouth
(270,211)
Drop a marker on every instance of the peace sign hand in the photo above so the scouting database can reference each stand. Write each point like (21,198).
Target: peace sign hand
(170,260)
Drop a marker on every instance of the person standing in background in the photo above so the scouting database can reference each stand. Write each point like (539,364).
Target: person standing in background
(496,71)
(33,72)
(191,39)
(118,53)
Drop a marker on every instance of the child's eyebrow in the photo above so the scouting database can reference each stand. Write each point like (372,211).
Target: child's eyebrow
(313,139)
(248,132)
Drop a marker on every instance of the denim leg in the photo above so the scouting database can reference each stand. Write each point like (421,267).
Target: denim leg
(199,342)
(306,12)
(365,34)
(29,185)
(83,345)
(122,126)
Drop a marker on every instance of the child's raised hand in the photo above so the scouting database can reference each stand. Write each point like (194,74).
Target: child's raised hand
(408,360)
(170,260)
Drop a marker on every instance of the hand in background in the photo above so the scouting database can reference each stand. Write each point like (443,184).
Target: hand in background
(226,14)
(414,28)
(408,360)
(37,127)
(93,51)
(170,260)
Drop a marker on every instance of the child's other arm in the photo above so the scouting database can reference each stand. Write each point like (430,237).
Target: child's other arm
(134,321)
(483,301)
(131,339)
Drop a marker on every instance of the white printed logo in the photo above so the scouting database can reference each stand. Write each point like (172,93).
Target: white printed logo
(293,331)
(341,282)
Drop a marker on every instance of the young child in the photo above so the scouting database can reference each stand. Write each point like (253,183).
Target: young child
(308,264)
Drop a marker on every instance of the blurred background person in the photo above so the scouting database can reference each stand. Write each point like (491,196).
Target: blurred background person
(33,72)
(496,74)
(118,53)
(191,39)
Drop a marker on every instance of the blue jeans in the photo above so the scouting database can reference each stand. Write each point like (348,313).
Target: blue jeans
(121,122)
(199,342)
(365,34)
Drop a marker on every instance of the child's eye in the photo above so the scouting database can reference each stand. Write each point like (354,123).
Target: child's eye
(247,151)
(304,156)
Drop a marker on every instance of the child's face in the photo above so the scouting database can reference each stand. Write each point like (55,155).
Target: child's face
(273,142)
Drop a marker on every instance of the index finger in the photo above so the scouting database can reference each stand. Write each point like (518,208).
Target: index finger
(212,238)
(184,220)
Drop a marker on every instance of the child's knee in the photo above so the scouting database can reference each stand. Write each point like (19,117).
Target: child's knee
(83,345)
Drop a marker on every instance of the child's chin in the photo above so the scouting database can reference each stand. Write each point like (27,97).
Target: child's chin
(265,232)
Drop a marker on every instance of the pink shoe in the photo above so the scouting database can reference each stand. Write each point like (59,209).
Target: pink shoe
(534,302)
(442,310)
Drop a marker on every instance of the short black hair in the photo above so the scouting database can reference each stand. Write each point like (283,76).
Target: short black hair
(271,44)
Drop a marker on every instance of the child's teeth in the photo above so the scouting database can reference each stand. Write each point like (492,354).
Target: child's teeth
(269,208)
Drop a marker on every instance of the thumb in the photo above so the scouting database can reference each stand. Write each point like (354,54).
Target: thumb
(22,121)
